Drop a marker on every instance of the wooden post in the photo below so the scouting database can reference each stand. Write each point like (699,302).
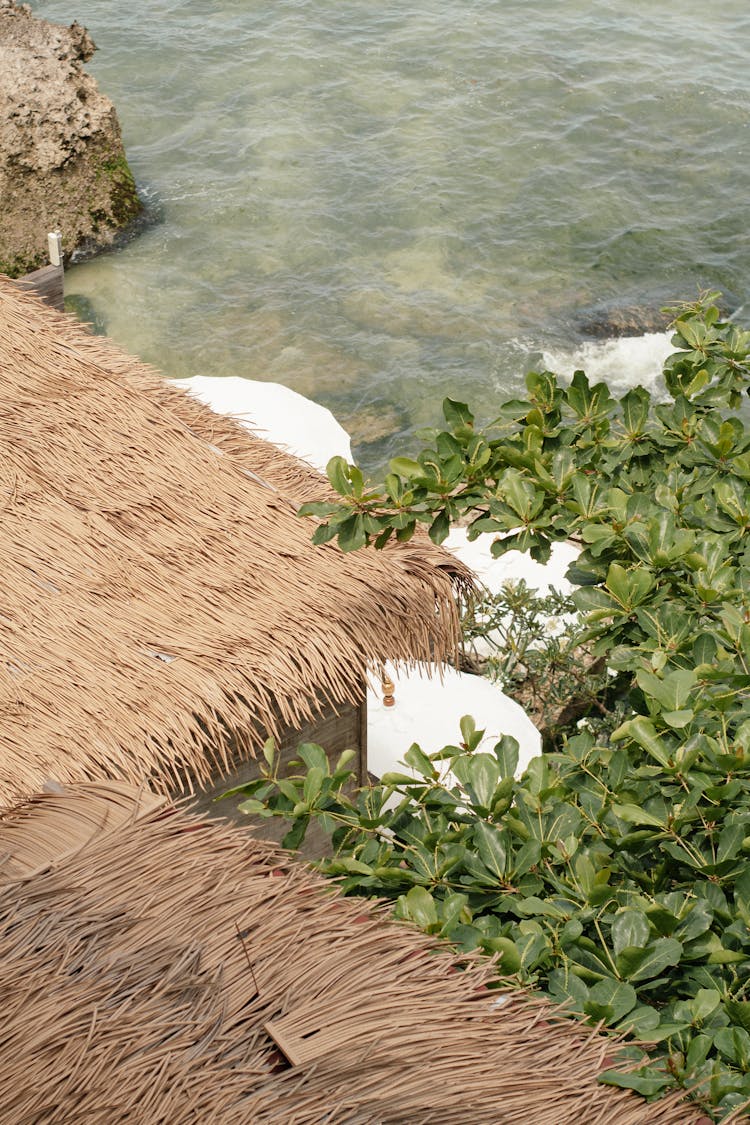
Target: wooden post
(389,699)
(54,241)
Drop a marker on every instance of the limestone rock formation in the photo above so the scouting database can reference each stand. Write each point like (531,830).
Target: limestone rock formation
(62,164)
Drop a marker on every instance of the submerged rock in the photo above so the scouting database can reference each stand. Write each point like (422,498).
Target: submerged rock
(372,426)
(62,163)
(645,316)
(603,321)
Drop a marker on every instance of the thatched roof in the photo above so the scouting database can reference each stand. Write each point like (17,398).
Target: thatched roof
(157,968)
(159,591)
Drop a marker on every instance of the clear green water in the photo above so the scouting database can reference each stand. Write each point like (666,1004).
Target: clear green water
(379,204)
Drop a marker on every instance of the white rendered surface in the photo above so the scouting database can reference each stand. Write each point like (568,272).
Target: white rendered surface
(276,413)
(428,711)
(513,565)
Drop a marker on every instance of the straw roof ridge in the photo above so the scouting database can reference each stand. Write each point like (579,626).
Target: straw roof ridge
(163,607)
(163,969)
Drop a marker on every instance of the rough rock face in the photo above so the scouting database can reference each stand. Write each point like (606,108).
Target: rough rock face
(62,164)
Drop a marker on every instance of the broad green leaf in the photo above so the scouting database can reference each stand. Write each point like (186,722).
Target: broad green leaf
(457,413)
(510,958)
(269,751)
(491,848)
(393,779)
(706,1002)
(730,841)
(635,963)
(568,989)
(533,945)
(451,909)
(337,471)
(641,1022)
(642,731)
(325,533)
(611,995)
(439,527)
(419,905)
(678,719)
(313,783)
(629,587)
(289,789)
(527,856)
(481,776)
(519,493)
(739,1012)
(630,928)
(697,1052)
(635,410)
(506,752)
(585,873)
(351,533)
(322,509)
(734,1044)
(595,602)
(724,956)
(344,758)
(634,814)
(469,733)
(296,833)
(418,760)
(313,756)
(697,921)
(533,906)
(253,807)
(406,467)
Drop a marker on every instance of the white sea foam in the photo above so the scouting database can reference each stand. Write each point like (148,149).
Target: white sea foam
(624,362)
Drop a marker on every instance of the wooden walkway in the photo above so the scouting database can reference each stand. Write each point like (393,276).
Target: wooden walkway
(48,282)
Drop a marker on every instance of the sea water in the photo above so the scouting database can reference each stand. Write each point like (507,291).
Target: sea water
(381,204)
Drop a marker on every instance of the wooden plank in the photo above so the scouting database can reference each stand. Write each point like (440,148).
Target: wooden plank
(46,283)
(363,776)
(300,1049)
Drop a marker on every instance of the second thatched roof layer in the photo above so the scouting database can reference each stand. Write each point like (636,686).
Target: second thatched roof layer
(155,968)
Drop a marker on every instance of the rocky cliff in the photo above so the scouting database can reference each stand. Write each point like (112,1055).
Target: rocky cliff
(62,164)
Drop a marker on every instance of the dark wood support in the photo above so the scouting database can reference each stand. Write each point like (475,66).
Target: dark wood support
(334,729)
(46,283)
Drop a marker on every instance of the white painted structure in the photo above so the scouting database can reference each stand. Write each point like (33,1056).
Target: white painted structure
(428,709)
(277,413)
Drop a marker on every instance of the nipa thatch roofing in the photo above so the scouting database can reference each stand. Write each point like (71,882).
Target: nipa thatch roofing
(161,600)
(154,968)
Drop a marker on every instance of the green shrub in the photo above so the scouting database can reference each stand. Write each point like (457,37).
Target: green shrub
(614,875)
(534,647)
(619,892)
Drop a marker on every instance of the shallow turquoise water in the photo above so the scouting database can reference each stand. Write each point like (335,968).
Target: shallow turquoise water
(382,204)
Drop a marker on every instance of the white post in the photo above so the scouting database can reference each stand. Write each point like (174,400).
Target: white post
(54,241)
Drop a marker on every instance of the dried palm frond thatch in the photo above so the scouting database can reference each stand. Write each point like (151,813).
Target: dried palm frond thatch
(161,600)
(154,968)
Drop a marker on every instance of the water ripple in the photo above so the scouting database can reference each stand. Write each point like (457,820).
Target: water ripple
(385,203)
